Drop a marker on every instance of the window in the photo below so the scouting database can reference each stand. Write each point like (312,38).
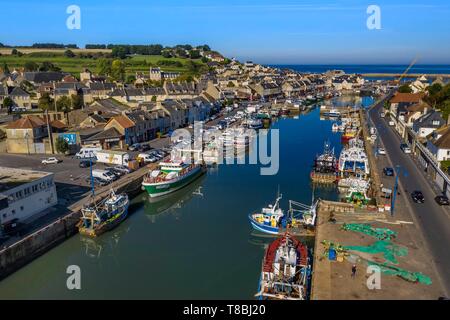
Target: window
(13,212)
(21,208)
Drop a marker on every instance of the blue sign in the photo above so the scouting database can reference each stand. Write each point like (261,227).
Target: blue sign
(71,138)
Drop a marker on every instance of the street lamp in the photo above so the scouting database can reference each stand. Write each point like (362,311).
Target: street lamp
(398,171)
(26,138)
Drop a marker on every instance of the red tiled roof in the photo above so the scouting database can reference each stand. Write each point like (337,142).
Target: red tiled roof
(406,97)
(27,122)
(57,124)
(123,121)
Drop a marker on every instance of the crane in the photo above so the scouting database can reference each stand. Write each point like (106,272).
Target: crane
(407,69)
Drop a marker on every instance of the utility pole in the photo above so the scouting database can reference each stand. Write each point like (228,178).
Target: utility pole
(50,135)
(394,193)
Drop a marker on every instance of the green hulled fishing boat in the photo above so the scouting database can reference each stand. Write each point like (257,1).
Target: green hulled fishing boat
(171,176)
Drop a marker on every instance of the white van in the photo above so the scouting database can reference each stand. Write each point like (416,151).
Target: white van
(102,174)
(87,153)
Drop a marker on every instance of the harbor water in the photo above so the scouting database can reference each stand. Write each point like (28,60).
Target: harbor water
(194,244)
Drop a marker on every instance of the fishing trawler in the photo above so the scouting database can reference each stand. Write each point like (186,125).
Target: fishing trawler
(98,218)
(171,175)
(286,270)
(272,219)
(327,161)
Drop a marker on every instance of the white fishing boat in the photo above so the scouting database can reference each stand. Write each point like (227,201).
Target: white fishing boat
(353,161)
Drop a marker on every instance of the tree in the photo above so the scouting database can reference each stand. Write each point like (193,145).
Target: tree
(64,104)
(194,54)
(30,66)
(62,146)
(104,67)
(77,101)
(130,79)
(8,103)
(118,70)
(69,54)
(48,66)
(166,54)
(45,101)
(5,68)
(405,88)
(14,52)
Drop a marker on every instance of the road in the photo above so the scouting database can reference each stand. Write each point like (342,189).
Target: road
(432,219)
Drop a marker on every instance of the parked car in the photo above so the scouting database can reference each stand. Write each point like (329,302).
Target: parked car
(115,172)
(391,123)
(85,163)
(442,200)
(389,172)
(382,114)
(405,148)
(144,147)
(101,182)
(134,147)
(51,160)
(146,158)
(417,196)
(123,169)
(381,151)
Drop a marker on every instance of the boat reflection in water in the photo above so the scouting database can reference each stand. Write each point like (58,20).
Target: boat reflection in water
(96,247)
(169,203)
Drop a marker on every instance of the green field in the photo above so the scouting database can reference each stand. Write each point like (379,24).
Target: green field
(76,65)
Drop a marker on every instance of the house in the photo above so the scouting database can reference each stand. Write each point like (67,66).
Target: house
(26,135)
(156,74)
(135,126)
(439,144)
(38,77)
(20,97)
(419,85)
(107,139)
(267,90)
(409,113)
(428,123)
(400,101)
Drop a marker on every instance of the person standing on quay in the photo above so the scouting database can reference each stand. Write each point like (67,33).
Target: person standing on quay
(354,271)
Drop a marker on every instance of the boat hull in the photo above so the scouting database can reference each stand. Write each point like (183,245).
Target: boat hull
(263,228)
(163,188)
(104,227)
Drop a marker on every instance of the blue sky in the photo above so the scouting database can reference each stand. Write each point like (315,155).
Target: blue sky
(265,31)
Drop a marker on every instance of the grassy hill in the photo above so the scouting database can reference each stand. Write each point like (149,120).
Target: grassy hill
(76,65)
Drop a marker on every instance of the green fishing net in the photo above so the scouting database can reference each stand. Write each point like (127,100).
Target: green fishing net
(378,233)
(389,250)
(402,273)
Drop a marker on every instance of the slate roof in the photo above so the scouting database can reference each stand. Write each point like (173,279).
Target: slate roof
(106,134)
(430,120)
(40,76)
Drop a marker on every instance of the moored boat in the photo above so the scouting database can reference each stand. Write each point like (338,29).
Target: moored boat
(171,176)
(286,270)
(98,218)
(332,113)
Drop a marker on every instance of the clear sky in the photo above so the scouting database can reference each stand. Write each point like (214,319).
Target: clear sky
(265,31)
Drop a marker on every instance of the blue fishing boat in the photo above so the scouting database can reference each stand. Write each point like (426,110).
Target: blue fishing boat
(270,219)
(99,217)
(273,220)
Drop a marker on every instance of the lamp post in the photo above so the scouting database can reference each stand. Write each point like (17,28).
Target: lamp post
(398,170)
(26,138)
